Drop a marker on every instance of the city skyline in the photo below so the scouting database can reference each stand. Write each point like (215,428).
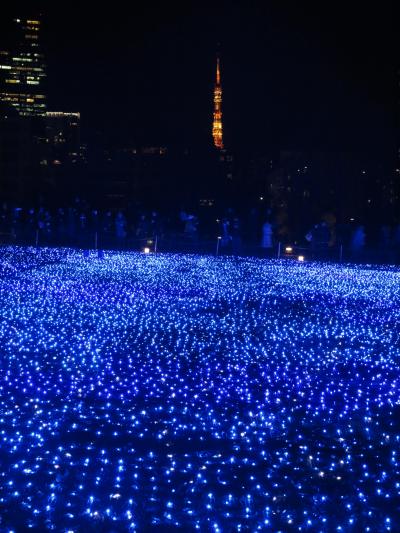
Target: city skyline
(288,77)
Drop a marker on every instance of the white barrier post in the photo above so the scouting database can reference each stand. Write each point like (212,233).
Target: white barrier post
(217,251)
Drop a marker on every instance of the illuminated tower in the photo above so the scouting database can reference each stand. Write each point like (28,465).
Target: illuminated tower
(217,122)
(22,69)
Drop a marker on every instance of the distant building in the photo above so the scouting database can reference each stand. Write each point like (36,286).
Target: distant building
(37,147)
(19,154)
(62,132)
(309,185)
(22,69)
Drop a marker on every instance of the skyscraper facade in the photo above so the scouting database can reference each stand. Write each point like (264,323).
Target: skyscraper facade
(62,132)
(22,70)
(217,117)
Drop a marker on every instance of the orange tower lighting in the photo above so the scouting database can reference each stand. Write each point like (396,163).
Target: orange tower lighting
(217,122)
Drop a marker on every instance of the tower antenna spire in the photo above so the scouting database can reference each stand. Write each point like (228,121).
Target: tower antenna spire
(217,115)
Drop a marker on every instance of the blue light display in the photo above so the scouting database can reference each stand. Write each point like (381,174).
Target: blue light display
(217,394)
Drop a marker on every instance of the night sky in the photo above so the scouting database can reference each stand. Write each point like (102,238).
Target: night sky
(318,75)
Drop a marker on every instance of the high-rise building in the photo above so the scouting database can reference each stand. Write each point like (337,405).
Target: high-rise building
(217,121)
(22,69)
(62,134)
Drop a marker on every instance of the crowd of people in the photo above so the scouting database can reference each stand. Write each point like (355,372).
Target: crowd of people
(82,226)
(76,225)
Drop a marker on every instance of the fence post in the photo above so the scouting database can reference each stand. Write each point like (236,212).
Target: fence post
(95,240)
(279,250)
(341,253)
(37,238)
(217,251)
(155,244)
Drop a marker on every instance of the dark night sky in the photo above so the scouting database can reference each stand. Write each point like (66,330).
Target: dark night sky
(314,74)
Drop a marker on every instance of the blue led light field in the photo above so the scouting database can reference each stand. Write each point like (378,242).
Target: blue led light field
(142,392)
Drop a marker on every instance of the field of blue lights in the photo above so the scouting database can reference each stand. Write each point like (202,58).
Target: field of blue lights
(142,392)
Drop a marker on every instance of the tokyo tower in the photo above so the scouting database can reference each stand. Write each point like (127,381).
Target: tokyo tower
(217,120)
